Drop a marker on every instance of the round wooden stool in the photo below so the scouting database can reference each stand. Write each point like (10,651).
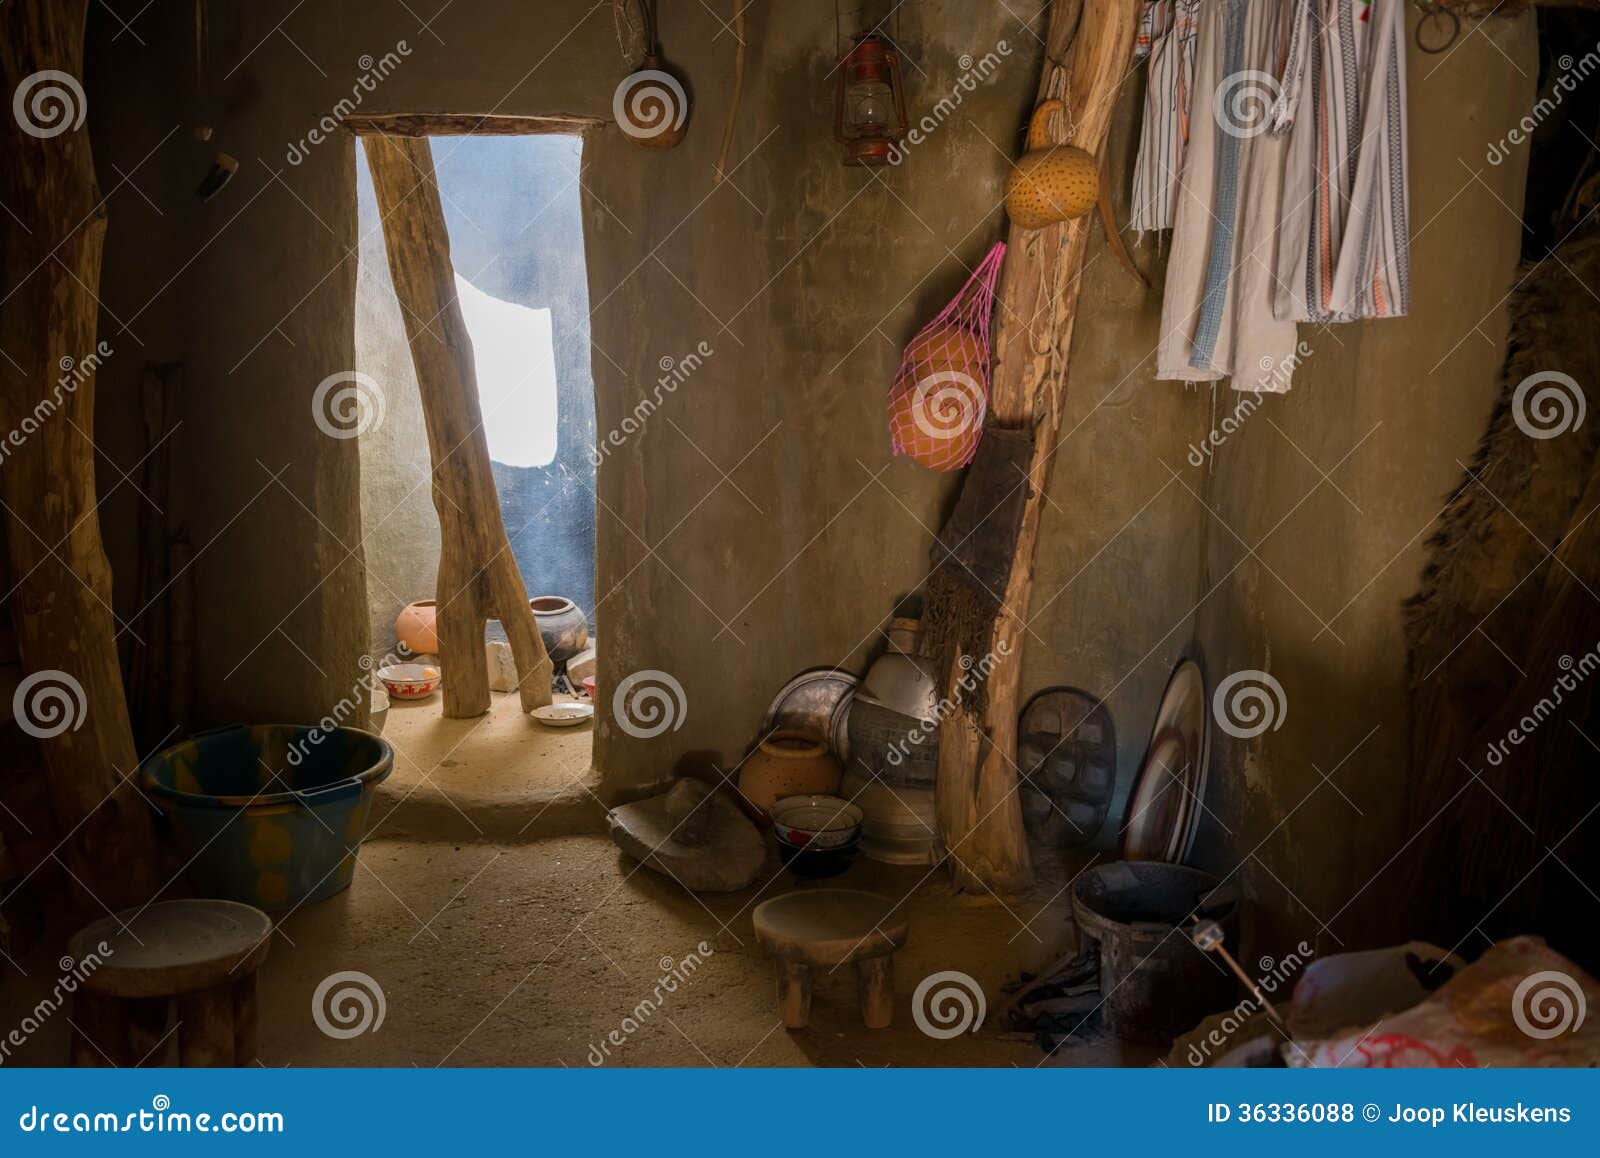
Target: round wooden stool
(828,928)
(198,955)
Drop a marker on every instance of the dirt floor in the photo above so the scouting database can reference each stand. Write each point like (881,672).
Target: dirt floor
(502,928)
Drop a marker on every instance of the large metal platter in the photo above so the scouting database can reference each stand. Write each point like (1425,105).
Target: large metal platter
(815,703)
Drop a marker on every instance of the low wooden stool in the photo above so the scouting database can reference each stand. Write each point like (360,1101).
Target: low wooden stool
(201,956)
(827,928)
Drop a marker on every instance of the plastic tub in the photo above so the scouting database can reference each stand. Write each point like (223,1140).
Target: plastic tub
(272,814)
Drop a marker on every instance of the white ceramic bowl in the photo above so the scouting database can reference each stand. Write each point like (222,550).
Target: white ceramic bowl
(410,681)
(816,823)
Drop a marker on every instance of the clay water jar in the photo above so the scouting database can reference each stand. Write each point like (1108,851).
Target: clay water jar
(1051,182)
(788,764)
(417,627)
(562,625)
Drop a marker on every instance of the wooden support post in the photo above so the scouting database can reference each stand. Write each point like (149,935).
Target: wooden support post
(875,977)
(478,576)
(205,1028)
(794,994)
(51,239)
(980,814)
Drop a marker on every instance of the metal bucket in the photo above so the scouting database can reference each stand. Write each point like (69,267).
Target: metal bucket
(1155,984)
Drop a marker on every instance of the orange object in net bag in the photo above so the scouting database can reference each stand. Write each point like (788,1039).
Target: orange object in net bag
(941,392)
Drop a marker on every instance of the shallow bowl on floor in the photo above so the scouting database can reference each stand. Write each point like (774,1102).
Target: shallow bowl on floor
(817,835)
(411,681)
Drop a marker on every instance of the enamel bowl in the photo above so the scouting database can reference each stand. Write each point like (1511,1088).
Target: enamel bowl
(410,681)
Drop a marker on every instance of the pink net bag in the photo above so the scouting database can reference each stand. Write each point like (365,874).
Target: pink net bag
(941,392)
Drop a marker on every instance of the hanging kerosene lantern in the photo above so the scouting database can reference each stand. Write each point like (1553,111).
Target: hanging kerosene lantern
(871,114)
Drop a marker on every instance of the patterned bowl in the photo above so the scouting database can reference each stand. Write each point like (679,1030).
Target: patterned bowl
(816,823)
(410,681)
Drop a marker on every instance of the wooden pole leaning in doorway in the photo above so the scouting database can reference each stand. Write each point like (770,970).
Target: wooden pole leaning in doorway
(51,243)
(980,813)
(478,576)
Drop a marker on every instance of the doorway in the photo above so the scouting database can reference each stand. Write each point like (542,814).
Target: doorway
(513,211)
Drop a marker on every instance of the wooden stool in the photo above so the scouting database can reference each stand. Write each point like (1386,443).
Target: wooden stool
(200,955)
(828,928)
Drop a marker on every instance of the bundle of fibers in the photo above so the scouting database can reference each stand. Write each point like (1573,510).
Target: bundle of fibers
(1490,598)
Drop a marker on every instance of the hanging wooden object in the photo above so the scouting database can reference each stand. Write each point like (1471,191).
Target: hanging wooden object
(478,576)
(51,239)
(980,811)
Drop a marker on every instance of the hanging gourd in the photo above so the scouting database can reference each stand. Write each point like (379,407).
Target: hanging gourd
(941,392)
(650,104)
(1051,182)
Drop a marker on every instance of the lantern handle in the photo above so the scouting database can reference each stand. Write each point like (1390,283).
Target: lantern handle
(893,53)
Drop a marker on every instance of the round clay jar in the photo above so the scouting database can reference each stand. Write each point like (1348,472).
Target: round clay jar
(562,625)
(417,629)
(788,764)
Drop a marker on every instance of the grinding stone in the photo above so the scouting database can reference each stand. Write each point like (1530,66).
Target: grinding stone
(726,859)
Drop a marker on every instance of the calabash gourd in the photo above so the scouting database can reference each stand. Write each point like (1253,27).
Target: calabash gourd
(1050,183)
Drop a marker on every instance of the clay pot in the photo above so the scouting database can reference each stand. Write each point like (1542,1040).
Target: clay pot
(1051,182)
(788,764)
(416,627)
(562,626)
(652,106)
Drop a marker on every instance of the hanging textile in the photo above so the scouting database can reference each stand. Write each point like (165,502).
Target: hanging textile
(1167,33)
(1217,316)
(1345,248)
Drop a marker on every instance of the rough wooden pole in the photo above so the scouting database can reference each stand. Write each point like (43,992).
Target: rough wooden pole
(478,576)
(51,238)
(980,813)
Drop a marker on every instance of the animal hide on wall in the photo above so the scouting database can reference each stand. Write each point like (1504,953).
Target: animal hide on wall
(1503,620)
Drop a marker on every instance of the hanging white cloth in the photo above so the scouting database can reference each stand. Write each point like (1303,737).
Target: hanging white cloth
(1217,314)
(1345,248)
(1167,33)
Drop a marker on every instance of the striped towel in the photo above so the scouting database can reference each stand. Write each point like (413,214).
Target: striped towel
(1345,247)
(1167,34)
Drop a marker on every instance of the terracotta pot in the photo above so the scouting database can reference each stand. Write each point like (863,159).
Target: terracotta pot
(1051,182)
(788,764)
(415,627)
(562,626)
